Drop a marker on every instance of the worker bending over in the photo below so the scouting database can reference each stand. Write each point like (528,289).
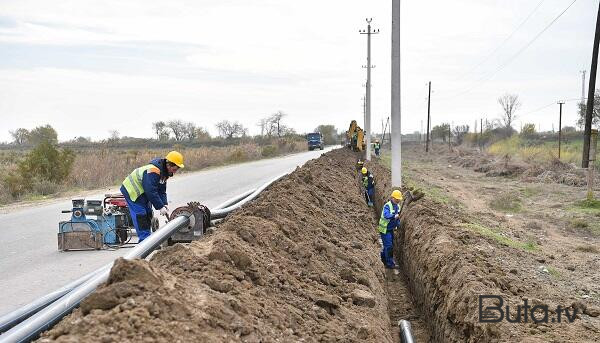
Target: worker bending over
(369,184)
(390,219)
(377,146)
(146,187)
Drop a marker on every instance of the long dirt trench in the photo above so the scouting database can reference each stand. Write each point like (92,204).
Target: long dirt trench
(300,263)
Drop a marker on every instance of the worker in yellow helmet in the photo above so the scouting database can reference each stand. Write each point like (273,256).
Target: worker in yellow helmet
(376,146)
(146,187)
(369,184)
(390,219)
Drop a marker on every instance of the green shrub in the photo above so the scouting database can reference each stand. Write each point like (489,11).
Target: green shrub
(269,151)
(40,171)
(16,184)
(45,162)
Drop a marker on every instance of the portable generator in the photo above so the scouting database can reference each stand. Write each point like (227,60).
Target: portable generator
(95,224)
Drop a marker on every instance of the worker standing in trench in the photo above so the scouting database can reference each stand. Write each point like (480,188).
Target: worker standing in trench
(377,147)
(369,183)
(146,187)
(390,220)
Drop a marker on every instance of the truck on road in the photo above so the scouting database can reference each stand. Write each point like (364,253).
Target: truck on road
(315,140)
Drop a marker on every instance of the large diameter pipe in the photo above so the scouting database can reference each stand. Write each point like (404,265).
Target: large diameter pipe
(13,318)
(234,200)
(221,213)
(44,319)
(405,331)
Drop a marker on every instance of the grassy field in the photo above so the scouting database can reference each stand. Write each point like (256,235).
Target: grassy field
(539,151)
(96,168)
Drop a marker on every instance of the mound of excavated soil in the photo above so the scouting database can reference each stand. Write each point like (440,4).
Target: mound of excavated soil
(448,266)
(300,263)
(552,172)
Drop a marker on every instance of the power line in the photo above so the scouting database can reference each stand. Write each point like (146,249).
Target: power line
(485,59)
(546,106)
(512,58)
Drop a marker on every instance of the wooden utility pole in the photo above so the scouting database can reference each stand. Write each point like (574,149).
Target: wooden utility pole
(449,137)
(591,167)
(428,117)
(590,100)
(560,103)
(480,132)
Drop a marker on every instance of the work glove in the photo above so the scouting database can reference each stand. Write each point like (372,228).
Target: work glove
(164,211)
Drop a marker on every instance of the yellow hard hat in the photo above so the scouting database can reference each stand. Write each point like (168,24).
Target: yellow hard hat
(363,170)
(175,157)
(396,194)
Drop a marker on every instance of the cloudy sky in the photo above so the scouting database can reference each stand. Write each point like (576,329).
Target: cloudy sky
(88,67)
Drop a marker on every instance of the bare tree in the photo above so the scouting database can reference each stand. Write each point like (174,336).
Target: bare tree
(263,125)
(510,104)
(178,129)
(459,132)
(274,125)
(161,130)
(114,135)
(20,136)
(229,129)
(190,131)
(202,135)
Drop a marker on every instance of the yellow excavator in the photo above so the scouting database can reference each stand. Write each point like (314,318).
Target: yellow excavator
(355,137)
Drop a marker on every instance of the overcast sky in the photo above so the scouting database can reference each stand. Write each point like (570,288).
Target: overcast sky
(88,67)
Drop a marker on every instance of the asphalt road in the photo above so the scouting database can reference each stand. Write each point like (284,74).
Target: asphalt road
(31,265)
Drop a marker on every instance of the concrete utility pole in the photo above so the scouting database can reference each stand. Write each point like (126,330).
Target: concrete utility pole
(368,32)
(590,100)
(364,99)
(395,113)
(560,103)
(428,117)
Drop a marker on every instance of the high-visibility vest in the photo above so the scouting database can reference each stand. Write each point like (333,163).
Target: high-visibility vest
(377,146)
(365,180)
(383,221)
(133,182)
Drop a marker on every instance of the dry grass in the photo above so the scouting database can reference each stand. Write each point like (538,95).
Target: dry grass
(515,146)
(108,167)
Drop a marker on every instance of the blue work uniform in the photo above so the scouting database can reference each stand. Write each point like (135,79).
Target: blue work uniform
(387,224)
(153,194)
(369,184)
